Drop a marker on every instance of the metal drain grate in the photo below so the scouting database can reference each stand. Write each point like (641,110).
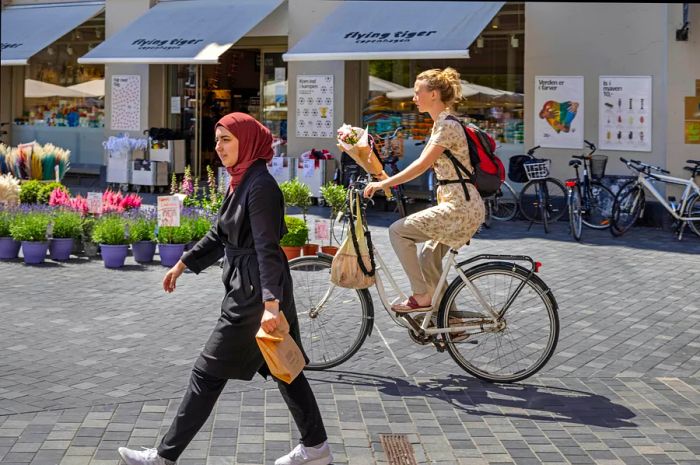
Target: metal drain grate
(397,449)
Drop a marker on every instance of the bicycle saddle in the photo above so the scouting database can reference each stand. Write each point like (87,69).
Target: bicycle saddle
(697,162)
(574,163)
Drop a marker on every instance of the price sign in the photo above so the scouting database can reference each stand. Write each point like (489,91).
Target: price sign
(322,230)
(308,167)
(168,211)
(94,201)
(277,166)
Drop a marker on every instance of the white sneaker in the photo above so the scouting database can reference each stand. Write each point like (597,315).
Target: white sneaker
(301,455)
(143,457)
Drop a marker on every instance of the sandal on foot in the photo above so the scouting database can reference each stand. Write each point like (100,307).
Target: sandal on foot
(410,306)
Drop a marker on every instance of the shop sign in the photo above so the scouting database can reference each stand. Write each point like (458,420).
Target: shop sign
(624,113)
(126,103)
(315,106)
(8,45)
(164,44)
(384,37)
(559,111)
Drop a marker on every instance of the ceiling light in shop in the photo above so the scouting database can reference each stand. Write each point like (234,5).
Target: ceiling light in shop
(514,42)
(78,35)
(49,50)
(480,42)
(98,32)
(69,50)
(495,23)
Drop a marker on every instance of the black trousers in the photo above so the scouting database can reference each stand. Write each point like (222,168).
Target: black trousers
(204,390)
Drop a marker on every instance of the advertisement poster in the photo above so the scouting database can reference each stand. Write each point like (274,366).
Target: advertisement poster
(559,111)
(126,103)
(692,117)
(315,106)
(624,113)
(169,211)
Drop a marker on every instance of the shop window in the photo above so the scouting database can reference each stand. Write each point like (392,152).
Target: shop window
(61,92)
(492,86)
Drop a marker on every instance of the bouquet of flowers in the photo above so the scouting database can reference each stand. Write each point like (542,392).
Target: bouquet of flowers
(355,142)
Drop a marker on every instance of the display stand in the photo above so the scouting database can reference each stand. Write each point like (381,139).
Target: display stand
(315,173)
(282,168)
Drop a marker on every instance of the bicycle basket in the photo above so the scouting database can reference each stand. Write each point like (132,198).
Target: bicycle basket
(598,163)
(536,169)
(516,170)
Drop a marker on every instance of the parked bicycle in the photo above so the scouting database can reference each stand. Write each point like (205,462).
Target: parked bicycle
(543,198)
(497,318)
(590,202)
(630,200)
(386,153)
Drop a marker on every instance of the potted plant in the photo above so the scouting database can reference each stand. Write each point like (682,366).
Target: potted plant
(298,194)
(67,228)
(172,241)
(110,232)
(89,247)
(335,196)
(199,225)
(9,248)
(296,237)
(142,234)
(31,230)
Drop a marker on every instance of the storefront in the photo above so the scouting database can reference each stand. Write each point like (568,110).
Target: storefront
(225,56)
(47,96)
(481,40)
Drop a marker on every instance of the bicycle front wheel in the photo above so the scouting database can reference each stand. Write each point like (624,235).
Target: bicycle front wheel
(553,195)
(333,321)
(504,203)
(524,338)
(598,210)
(575,216)
(628,207)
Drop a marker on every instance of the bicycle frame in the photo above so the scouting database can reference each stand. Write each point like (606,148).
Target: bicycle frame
(644,179)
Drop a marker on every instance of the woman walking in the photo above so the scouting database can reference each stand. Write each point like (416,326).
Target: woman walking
(457,217)
(258,286)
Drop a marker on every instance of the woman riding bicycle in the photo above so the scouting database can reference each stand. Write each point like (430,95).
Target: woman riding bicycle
(455,219)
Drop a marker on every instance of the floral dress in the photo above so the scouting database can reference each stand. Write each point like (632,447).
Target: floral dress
(454,220)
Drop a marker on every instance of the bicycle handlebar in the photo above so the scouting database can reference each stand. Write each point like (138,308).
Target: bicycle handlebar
(532,150)
(590,145)
(643,167)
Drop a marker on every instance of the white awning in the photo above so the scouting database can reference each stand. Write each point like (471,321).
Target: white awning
(395,30)
(27,29)
(183,32)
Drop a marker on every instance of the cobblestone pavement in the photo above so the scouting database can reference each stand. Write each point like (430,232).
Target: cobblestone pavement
(91,359)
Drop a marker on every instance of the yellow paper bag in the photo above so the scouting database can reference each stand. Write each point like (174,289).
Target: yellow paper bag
(282,355)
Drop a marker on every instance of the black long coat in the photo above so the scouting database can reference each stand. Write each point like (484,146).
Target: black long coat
(247,232)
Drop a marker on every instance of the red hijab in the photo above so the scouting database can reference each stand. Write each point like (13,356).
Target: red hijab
(254,143)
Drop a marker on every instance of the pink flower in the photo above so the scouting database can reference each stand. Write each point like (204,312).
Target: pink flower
(59,198)
(131,201)
(79,204)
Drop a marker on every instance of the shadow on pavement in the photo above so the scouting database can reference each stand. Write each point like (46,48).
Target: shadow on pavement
(486,399)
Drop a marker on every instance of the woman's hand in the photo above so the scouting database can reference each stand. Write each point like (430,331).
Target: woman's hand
(373,187)
(271,316)
(171,276)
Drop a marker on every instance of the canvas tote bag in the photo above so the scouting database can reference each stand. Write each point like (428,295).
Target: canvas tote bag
(353,264)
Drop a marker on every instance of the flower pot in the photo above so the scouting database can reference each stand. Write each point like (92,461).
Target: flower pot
(114,256)
(9,248)
(170,253)
(310,249)
(291,252)
(329,249)
(60,248)
(143,251)
(34,252)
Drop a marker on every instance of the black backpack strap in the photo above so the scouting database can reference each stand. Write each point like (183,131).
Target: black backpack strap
(459,168)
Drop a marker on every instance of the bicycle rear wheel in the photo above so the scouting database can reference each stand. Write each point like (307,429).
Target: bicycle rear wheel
(693,211)
(600,204)
(575,214)
(555,199)
(628,207)
(504,204)
(529,331)
(332,330)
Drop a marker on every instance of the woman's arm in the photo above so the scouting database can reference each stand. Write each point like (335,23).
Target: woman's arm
(206,252)
(427,158)
(266,213)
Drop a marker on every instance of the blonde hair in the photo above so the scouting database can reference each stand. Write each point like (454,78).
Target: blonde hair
(446,81)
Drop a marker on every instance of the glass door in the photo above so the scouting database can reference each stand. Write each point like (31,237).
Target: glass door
(183,113)
(274,98)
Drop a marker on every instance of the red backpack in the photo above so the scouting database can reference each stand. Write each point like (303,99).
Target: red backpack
(489,172)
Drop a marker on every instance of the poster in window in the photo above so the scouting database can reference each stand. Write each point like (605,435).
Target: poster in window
(624,113)
(126,103)
(315,106)
(559,111)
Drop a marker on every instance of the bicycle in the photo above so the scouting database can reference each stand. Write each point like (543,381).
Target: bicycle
(630,200)
(590,202)
(497,319)
(543,198)
(503,205)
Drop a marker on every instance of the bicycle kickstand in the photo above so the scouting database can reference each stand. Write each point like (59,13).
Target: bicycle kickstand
(681,228)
